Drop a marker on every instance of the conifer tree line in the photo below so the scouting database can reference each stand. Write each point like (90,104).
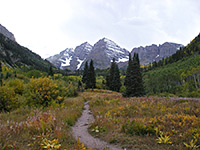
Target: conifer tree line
(133,80)
(89,77)
(113,78)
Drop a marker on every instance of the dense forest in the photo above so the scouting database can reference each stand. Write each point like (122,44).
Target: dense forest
(177,74)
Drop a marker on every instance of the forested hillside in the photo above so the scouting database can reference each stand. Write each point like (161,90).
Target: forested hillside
(16,55)
(177,74)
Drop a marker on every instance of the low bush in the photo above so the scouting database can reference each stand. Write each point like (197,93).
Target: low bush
(71,90)
(18,85)
(7,99)
(138,128)
(43,92)
(35,74)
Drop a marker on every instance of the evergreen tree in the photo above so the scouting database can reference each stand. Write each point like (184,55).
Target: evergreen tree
(133,79)
(108,80)
(50,71)
(91,76)
(139,86)
(114,77)
(111,75)
(85,73)
(128,71)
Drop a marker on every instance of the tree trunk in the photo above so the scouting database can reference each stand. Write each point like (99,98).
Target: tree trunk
(195,82)
(198,78)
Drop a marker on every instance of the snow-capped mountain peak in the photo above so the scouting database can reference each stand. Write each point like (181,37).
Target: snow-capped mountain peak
(71,58)
(105,50)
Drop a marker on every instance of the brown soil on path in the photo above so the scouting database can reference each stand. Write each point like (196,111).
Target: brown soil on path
(80,130)
(184,98)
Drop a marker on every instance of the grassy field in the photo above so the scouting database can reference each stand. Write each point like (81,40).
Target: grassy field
(35,128)
(146,122)
(132,123)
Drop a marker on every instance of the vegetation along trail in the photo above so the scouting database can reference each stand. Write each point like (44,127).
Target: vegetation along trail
(80,130)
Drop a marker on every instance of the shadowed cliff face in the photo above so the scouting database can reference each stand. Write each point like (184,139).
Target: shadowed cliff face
(6,33)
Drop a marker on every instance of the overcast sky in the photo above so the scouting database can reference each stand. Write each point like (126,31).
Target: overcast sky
(49,26)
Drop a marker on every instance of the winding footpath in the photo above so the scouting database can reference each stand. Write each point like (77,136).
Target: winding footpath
(184,98)
(80,130)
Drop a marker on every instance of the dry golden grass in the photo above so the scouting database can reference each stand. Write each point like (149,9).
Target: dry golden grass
(144,123)
(27,128)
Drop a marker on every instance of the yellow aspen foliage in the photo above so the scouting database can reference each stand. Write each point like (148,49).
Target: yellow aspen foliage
(43,91)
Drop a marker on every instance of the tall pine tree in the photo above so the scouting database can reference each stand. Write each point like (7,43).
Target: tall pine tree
(111,75)
(92,76)
(113,79)
(133,79)
(140,86)
(89,77)
(128,71)
(85,73)
(50,71)
(116,79)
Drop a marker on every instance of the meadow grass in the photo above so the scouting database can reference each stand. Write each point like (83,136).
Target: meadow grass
(145,122)
(29,128)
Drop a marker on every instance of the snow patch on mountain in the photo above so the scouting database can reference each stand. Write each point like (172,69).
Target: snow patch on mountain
(79,63)
(157,56)
(122,60)
(66,62)
(88,47)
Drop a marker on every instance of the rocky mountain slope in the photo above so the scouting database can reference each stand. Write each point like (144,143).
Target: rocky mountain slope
(71,58)
(105,50)
(13,54)
(152,53)
(101,53)
(6,33)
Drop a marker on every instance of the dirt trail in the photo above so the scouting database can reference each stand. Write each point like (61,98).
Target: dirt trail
(184,98)
(80,130)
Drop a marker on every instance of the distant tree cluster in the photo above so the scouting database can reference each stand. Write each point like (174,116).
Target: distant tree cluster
(50,73)
(89,77)
(113,79)
(133,80)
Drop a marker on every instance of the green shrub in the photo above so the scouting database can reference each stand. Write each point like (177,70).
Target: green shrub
(137,128)
(122,89)
(7,99)
(193,94)
(18,85)
(71,90)
(70,121)
(36,74)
